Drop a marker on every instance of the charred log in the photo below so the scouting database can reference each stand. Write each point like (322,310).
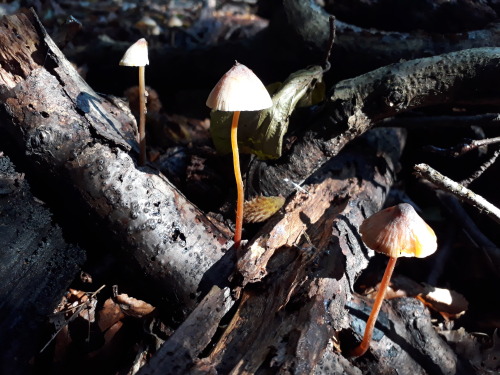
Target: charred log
(36,267)
(83,142)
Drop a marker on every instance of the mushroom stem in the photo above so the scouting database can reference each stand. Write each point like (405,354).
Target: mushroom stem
(142,116)
(239,181)
(372,319)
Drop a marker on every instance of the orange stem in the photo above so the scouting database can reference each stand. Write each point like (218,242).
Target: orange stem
(239,181)
(372,319)
(142,116)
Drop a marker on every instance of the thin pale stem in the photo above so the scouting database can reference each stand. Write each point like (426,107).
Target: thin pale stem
(239,181)
(372,319)
(142,116)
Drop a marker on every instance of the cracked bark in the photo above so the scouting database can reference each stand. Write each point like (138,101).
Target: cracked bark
(36,267)
(83,142)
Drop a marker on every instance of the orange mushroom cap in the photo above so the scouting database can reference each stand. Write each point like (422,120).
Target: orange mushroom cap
(239,90)
(399,231)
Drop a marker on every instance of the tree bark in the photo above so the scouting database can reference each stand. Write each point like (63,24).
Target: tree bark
(36,267)
(84,143)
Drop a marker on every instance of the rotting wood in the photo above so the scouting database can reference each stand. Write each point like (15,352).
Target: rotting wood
(182,349)
(298,275)
(68,133)
(36,267)
(300,269)
(415,350)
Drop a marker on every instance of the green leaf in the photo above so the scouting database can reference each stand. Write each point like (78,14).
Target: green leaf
(262,132)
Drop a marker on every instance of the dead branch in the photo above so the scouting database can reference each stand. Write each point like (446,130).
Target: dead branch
(78,139)
(464,194)
(368,48)
(482,168)
(485,120)
(36,267)
(354,105)
(429,15)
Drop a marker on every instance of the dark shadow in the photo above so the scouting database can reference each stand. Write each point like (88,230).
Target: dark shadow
(85,102)
(219,273)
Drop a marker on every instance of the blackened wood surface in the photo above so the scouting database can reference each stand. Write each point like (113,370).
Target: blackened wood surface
(74,139)
(36,267)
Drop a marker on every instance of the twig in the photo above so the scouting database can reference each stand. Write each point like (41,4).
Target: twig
(417,122)
(482,168)
(326,64)
(447,184)
(76,310)
(463,148)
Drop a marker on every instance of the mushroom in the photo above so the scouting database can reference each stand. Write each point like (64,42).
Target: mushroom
(137,55)
(395,231)
(238,90)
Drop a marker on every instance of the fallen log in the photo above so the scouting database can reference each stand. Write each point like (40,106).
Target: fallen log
(304,259)
(296,285)
(81,143)
(36,267)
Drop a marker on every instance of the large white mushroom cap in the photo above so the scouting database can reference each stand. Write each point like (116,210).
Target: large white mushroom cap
(136,54)
(239,90)
(399,231)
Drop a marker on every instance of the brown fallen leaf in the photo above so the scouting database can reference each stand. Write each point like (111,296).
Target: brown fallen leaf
(133,307)
(109,314)
(450,304)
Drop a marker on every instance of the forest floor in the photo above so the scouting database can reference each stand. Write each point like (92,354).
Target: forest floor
(111,320)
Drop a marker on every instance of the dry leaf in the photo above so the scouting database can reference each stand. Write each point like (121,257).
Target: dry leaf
(133,307)
(109,314)
(450,304)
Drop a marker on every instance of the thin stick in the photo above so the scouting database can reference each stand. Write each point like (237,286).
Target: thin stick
(463,148)
(481,169)
(239,181)
(326,63)
(142,116)
(458,190)
(372,319)
(488,120)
